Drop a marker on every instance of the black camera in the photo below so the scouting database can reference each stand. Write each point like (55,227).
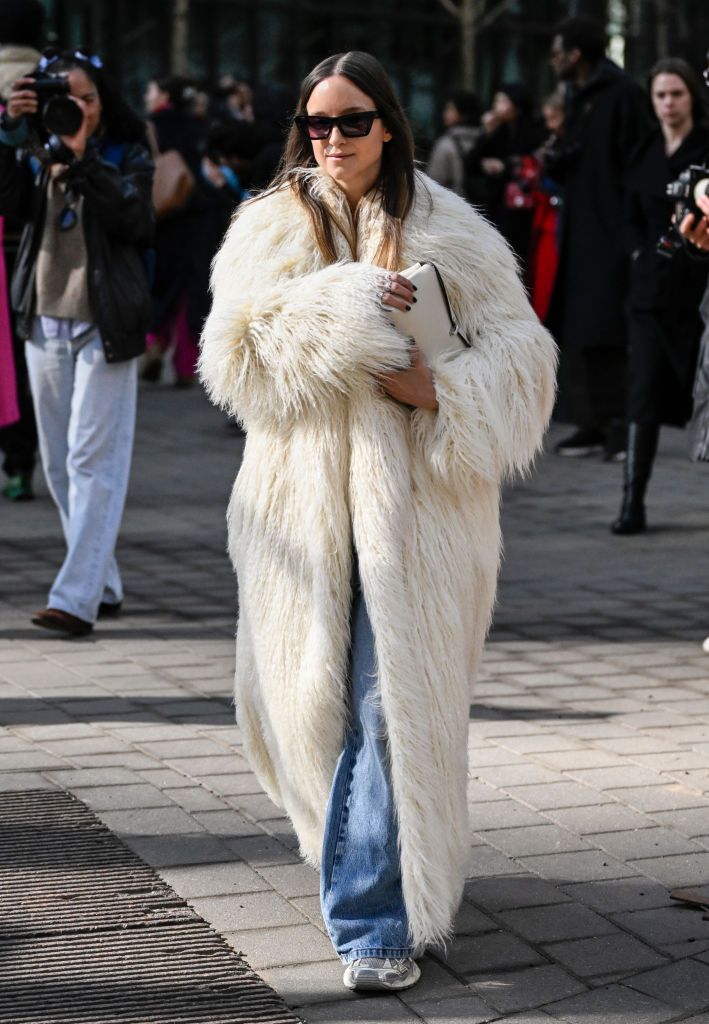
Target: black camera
(691,183)
(685,190)
(59,114)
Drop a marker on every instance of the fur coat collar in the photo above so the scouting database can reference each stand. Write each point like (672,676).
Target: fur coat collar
(292,348)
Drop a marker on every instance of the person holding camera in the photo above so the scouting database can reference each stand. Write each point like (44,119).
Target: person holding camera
(664,326)
(75,167)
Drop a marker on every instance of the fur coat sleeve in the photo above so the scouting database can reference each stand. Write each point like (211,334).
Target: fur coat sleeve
(495,399)
(286,335)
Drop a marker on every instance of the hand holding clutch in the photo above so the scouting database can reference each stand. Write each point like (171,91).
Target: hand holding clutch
(430,322)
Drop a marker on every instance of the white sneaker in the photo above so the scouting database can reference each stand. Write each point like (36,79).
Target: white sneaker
(372,973)
(705,646)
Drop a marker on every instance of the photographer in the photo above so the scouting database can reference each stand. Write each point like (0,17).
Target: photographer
(665,285)
(81,296)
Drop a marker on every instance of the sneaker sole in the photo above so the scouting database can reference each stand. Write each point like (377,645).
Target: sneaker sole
(579,453)
(379,986)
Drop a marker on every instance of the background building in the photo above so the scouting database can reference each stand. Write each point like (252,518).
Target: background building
(418,40)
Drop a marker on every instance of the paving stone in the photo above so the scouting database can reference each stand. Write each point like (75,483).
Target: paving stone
(535,839)
(680,870)
(150,822)
(470,921)
(494,951)
(690,822)
(613,1004)
(223,879)
(603,818)
(71,778)
(577,759)
(363,1011)
(168,850)
(115,798)
(247,910)
(292,879)
(484,861)
(584,866)
(558,794)
(645,842)
(29,760)
(509,991)
(280,947)
(232,784)
(128,760)
(495,894)
(614,896)
(610,778)
(194,799)
(502,776)
(17,781)
(256,806)
(555,923)
(468,1008)
(502,814)
(259,850)
(666,926)
(206,766)
(587,958)
(684,984)
(226,823)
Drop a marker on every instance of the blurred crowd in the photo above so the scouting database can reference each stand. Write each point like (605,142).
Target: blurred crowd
(578,186)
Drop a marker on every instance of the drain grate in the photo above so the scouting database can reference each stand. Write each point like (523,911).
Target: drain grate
(89,934)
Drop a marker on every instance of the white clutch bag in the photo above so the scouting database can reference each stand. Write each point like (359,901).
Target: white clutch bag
(430,321)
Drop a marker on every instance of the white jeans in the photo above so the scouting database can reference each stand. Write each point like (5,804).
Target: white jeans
(85,409)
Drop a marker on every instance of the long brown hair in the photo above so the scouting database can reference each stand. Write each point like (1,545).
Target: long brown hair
(683,70)
(396,181)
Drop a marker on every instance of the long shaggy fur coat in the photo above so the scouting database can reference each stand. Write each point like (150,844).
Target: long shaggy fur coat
(292,347)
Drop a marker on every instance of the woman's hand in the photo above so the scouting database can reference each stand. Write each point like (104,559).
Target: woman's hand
(412,387)
(697,233)
(398,292)
(492,166)
(22,99)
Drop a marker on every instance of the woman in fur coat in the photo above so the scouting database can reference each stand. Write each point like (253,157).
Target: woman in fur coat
(363,524)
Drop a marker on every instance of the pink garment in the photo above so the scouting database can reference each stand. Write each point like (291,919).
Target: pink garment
(175,332)
(9,409)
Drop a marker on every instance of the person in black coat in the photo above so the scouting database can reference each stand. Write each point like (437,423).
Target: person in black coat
(500,165)
(182,246)
(664,326)
(606,117)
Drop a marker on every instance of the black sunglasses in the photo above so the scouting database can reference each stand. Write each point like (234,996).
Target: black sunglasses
(352,126)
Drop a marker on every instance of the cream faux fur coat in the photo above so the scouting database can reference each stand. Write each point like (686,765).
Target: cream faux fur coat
(292,348)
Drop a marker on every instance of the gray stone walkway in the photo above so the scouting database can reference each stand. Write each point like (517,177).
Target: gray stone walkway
(589,741)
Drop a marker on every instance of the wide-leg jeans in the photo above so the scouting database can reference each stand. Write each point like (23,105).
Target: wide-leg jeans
(85,409)
(360,890)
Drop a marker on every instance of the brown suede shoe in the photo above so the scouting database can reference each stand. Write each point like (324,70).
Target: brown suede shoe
(61,622)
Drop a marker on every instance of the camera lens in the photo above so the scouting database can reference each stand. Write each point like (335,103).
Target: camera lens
(62,116)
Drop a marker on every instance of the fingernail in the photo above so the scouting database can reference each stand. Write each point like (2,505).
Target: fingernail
(409,307)
(414,299)
(415,288)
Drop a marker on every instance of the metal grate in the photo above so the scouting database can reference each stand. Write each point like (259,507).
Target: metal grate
(89,934)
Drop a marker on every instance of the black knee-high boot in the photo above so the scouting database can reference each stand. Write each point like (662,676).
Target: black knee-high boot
(642,447)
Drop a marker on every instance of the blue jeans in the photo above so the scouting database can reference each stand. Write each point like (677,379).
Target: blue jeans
(85,410)
(360,886)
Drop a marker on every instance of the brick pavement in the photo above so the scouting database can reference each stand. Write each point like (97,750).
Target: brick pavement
(589,740)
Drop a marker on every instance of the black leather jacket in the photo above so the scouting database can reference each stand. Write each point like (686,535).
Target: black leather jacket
(116,183)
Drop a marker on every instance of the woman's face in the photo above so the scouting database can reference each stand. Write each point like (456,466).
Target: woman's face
(503,107)
(154,97)
(355,164)
(553,118)
(82,88)
(671,101)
